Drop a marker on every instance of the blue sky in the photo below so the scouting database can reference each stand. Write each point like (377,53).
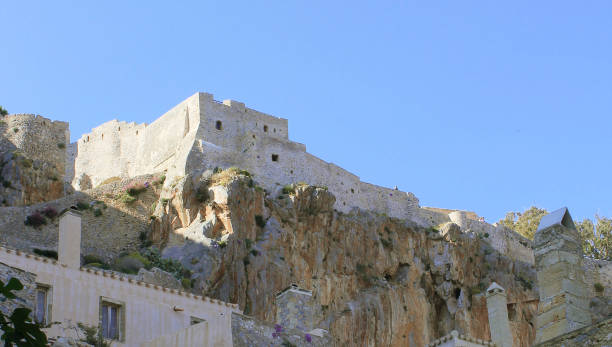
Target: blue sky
(471,105)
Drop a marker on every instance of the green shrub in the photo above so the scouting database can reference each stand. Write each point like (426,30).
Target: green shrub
(93,336)
(222,244)
(202,193)
(248,243)
(27,163)
(288,189)
(135,188)
(61,145)
(254,252)
(49,253)
(126,198)
(260,221)
(129,264)
(186,282)
(15,130)
(97,212)
(82,206)
(91,259)
(3,111)
(169,265)
(598,287)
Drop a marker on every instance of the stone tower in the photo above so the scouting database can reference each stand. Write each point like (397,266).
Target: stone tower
(564,304)
(294,309)
(498,316)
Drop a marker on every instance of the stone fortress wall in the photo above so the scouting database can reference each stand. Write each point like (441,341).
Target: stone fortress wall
(37,137)
(32,154)
(202,133)
(128,149)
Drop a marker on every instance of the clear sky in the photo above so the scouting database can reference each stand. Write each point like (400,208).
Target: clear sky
(476,105)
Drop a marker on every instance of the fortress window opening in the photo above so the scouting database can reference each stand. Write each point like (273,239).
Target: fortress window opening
(274,157)
(265,128)
(219,125)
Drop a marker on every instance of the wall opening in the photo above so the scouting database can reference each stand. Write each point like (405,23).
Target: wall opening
(274,129)
(265,128)
(219,125)
(87,138)
(274,157)
(136,132)
(119,129)
(512,312)
(457,293)
(352,190)
(102,136)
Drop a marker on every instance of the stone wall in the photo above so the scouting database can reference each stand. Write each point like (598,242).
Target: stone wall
(247,331)
(25,297)
(32,159)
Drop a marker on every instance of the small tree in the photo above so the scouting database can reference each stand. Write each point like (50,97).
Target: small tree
(525,223)
(19,329)
(3,111)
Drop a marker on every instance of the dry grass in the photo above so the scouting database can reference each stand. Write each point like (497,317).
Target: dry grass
(224,177)
(110,180)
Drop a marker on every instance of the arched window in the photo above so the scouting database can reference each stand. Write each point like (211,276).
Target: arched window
(219,125)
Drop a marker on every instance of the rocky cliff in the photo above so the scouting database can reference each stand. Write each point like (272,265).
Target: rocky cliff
(375,280)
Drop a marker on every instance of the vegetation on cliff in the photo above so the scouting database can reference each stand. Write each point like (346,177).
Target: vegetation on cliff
(596,237)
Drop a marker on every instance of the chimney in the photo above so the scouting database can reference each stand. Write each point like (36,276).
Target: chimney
(498,316)
(69,245)
(564,303)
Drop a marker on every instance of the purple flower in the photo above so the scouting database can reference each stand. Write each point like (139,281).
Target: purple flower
(278,328)
(146,184)
(274,335)
(308,338)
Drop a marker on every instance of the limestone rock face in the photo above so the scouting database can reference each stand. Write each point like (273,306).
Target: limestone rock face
(374,280)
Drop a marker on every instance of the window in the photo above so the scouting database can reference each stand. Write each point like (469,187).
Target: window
(274,157)
(42,305)
(265,128)
(112,318)
(219,125)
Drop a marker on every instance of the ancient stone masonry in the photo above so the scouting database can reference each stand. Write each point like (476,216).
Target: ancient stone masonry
(32,159)
(564,304)
(25,297)
(201,133)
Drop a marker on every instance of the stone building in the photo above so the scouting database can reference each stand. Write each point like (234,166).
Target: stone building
(127,311)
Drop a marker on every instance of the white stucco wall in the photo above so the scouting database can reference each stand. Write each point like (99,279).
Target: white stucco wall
(149,310)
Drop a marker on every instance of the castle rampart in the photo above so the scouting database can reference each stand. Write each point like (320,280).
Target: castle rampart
(202,133)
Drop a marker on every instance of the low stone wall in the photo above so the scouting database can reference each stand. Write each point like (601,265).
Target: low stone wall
(247,331)
(25,297)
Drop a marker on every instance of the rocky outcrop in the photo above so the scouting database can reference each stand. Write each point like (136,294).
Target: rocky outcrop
(375,280)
